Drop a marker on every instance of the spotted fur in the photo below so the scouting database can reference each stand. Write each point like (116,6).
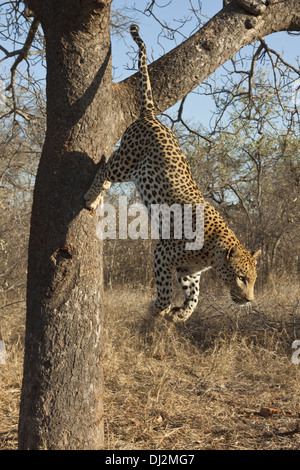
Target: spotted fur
(150,155)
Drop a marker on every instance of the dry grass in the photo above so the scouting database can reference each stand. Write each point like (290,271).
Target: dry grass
(194,386)
(12,327)
(200,385)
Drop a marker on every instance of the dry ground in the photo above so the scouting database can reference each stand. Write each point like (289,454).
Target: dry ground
(194,386)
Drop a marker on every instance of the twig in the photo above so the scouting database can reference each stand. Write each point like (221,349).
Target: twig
(23,54)
(263,43)
(12,303)
(251,72)
(180,119)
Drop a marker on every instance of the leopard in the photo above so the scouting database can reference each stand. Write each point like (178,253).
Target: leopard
(149,154)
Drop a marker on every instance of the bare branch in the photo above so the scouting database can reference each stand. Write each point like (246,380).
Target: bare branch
(251,72)
(269,50)
(23,54)
(183,68)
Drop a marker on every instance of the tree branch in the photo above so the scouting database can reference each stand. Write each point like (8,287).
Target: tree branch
(269,50)
(181,70)
(23,54)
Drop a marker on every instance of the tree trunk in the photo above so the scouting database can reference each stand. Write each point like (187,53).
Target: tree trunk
(61,404)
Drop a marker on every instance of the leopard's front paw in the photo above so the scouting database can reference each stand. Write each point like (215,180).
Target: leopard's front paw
(178,315)
(91,202)
(93,205)
(93,199)
(106,186)
(156,311)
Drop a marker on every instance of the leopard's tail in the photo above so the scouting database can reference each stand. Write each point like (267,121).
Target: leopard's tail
(145,85)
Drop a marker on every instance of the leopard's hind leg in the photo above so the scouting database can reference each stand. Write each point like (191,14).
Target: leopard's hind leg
(190,285)
(163,273)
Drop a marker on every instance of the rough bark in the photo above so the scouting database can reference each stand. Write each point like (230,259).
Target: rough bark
(61,405)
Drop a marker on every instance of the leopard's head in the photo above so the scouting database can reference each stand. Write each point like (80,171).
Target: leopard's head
(238,271)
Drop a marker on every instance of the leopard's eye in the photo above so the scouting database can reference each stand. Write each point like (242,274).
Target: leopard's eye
(243,279)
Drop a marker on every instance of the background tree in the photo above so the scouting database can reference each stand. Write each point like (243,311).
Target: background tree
(250,170)
(61,398)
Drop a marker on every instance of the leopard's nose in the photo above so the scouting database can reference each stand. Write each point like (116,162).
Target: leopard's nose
(249,298)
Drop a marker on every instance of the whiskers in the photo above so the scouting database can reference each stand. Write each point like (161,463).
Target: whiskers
(247,306)
(243,304)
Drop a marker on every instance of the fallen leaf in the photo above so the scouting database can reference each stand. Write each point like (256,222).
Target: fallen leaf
(268,411)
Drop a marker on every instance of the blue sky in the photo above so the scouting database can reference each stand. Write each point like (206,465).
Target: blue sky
(197,108)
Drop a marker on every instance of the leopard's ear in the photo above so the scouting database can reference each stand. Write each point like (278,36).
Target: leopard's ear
(232,251)
(256,255)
